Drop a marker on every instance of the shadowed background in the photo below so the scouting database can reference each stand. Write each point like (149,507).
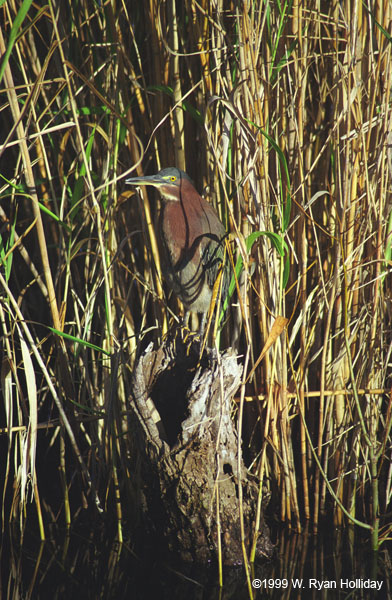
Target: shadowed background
(280,113)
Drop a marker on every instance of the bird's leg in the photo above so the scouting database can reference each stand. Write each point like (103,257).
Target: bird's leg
(189,337)
(195,338)
(185,318)
(202,325)
(201,334)
(184,326)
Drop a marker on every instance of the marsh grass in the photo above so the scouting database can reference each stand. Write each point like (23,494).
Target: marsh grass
(280,111)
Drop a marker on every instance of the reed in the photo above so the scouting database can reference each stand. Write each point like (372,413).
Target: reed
(281,110)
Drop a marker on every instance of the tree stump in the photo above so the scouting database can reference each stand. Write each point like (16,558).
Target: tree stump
(185,452)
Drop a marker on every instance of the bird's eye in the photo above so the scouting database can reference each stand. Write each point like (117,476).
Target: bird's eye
(173,178)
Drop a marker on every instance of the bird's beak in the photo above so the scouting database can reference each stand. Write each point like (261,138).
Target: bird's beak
(145,180)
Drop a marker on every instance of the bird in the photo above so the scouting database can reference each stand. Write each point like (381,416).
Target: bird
(192,240)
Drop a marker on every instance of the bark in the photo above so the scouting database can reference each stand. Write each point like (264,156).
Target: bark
(185,445)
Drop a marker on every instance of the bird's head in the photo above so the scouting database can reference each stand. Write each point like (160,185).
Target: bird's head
(170,182)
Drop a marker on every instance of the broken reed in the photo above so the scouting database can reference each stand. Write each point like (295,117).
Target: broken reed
(283,111)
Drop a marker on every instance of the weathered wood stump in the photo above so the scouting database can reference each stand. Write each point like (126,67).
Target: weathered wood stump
(185,447)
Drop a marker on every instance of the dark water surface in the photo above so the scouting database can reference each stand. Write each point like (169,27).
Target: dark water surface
(87,563)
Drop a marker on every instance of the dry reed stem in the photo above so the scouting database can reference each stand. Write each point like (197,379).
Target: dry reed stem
(210,87)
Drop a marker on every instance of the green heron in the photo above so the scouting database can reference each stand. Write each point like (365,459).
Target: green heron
(192,241)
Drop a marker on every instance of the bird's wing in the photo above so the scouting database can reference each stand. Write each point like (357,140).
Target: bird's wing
(213,247)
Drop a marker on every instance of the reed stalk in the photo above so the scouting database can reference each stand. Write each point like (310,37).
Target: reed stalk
(281,114)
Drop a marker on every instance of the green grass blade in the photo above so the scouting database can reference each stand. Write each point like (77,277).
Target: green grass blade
(77,340)
(24,9)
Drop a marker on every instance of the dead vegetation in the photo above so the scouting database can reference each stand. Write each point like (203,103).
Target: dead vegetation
(280,112)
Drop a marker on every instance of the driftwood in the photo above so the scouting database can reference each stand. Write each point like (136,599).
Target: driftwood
(185,446)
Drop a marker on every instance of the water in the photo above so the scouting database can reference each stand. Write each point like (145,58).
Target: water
(88,563)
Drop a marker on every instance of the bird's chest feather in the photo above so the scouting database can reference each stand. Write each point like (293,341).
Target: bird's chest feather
(182,232)
(191,234)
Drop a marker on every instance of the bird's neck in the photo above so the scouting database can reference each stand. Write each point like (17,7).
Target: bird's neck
(180,222)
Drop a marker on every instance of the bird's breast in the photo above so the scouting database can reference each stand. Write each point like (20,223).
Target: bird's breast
(183,237)
(181,230)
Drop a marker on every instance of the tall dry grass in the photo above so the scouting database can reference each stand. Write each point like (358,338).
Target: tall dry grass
(280,112)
